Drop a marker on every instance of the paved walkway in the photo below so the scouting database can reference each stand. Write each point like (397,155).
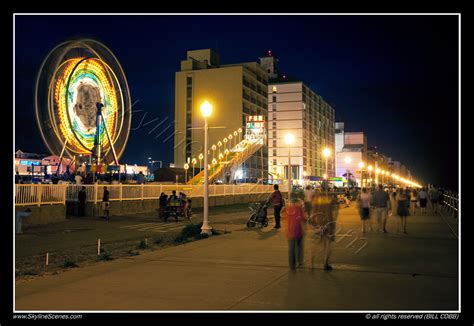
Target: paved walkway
(247,270)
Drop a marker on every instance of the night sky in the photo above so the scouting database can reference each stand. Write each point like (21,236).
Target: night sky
(393,77)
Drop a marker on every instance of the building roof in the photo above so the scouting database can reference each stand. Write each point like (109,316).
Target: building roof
(286,80)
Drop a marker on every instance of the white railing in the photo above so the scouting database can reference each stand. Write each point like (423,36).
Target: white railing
(41,194)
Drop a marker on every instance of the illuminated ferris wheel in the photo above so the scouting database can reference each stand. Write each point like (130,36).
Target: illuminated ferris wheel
(83,102)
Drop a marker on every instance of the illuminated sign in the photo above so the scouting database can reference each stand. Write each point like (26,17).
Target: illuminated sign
(26,162)
(255,122)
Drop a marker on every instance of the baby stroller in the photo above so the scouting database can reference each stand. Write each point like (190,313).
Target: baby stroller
(258,215)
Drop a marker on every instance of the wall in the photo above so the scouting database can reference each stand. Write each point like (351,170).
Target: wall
(149,206)
(45,214)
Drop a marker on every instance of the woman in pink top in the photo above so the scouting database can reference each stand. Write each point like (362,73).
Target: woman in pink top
(294,219)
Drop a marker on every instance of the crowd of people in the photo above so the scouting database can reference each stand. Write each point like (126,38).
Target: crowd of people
(83,178)
(315,211)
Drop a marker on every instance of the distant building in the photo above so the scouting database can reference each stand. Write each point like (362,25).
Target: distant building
(353,152)
(294,108)
(339,136)
(235,91)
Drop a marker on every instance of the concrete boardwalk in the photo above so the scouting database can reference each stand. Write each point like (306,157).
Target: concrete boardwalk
(247,270)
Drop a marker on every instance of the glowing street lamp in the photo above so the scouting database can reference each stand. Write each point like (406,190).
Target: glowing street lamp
(186,167)
(200,159)
(206,111)
(213,149)
(219,144)
(289,140)
(193,162)
(225,142)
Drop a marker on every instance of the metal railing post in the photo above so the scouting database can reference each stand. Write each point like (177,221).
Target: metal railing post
(120,192)
(142,191)
(65,187)
(39,193)
(95,193)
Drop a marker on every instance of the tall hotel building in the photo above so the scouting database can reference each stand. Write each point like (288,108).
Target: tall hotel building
(294,108)
(234,90)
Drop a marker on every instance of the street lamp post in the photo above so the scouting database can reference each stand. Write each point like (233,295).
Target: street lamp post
(361,166)
(219,144)
(348,161)
(235,138)
(370,168)
(230,140)
(326,153)
(289,140)
(193,162)
(225,143)
(186,167)
(206,111)
(200,159)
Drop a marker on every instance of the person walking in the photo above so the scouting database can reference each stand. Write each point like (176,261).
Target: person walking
(105,204)
(382,206)
(323,221)
(434,196)
(81,201)
(294,221)
(402,209)
(363,201)
(308,199)
(277,200)
(441,199)
(423,197)
(413,201)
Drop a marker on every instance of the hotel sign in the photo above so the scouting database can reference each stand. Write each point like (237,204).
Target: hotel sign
(255,122)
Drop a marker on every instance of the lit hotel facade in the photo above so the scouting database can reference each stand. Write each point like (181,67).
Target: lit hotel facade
(294,108)
(235,92)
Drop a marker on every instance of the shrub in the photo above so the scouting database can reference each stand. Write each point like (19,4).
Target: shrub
(105,256)
(201,236)
(69,263)
(180,239)
(158,241)
(142,245)
(132,252)
(191,230)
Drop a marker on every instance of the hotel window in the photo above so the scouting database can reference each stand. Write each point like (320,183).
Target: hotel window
(274,107)
(274,89)
(274,161)
(274,152)
(274,98)
(274,143)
